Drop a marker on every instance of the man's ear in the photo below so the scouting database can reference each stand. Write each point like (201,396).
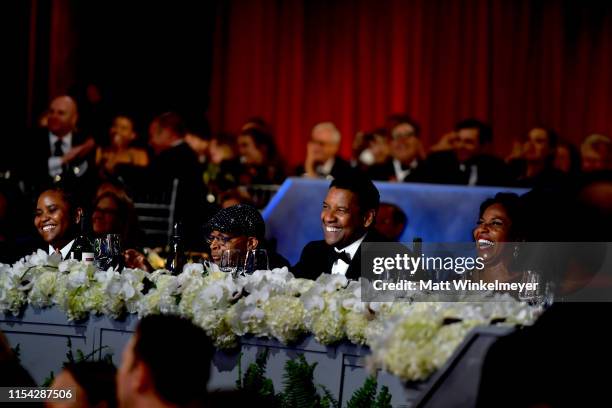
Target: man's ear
(141,379)
(252,243)
(368,218)
(78,214)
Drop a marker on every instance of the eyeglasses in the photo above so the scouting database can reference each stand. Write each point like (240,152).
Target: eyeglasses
(220,238)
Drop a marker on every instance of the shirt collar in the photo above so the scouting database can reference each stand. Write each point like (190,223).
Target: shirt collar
(65,250)
(66,140)
(351,249)
(326,167)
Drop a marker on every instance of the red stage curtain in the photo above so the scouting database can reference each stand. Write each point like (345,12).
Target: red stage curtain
(514,63)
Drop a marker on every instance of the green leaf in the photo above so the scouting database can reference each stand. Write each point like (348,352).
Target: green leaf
(47,381)
(364,397)
(384,398)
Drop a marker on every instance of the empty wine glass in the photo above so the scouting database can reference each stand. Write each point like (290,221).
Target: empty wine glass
(256,260)
(231,261)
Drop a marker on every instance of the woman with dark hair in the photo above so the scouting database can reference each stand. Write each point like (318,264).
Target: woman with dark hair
(500,223)
(259,160)
(56,218)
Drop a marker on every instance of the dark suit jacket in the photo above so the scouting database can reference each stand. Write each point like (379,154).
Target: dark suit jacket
(386,172)
(444,168)
(35,170)
(316,258)
(180,162)
(340,168)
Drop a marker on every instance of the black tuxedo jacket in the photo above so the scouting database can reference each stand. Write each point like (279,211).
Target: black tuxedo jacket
(317,258)
(443,167)
(386,172)
(34,168)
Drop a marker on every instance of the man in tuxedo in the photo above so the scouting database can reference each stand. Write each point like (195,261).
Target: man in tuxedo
(405,162)
(466,163)
(58,153)
(347,219)
(322,158)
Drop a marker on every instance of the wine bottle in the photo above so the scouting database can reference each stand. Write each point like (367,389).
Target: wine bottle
(82,248)
(176,254)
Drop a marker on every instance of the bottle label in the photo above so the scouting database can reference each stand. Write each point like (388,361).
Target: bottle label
(87,257)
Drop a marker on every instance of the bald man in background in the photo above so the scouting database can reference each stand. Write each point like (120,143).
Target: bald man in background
(58,152)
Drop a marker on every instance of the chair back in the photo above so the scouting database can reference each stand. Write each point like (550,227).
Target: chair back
(156,214)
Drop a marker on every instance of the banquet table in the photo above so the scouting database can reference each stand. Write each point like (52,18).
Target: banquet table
(42,336)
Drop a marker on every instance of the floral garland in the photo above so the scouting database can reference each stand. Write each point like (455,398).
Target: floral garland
(410,340)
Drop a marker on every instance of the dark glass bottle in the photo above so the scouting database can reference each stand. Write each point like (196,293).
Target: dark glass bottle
(82,248)
(176,254)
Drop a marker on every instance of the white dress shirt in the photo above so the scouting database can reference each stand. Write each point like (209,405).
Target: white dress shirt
(65,250)
(55,162)
(340,267)
(401,174)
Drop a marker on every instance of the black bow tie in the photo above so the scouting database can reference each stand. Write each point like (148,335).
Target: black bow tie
(342,255)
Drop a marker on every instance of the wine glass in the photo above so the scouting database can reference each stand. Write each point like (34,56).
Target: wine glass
(534,294)
(231,261)
(107,252)
(256,260)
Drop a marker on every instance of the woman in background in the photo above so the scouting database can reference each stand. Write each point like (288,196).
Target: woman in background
(121,153)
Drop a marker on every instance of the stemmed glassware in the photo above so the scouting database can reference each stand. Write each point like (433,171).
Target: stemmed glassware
(256,260)
(231,262)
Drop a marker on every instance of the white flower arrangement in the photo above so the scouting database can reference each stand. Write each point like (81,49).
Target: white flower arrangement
(410,340)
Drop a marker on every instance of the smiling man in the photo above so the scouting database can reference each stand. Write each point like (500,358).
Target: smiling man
(347,218)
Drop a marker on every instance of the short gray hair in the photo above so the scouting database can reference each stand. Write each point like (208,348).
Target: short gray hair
(328,126)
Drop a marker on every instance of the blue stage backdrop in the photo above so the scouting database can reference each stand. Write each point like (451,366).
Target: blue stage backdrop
(436,213)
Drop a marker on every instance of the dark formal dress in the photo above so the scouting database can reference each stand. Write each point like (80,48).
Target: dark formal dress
(481,170)
(317,257)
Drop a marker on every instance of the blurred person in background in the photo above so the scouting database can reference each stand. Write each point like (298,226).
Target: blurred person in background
(92,382)
(59,153)
(114,213)
(371,148)
(534,167)
(391,221)
(405,162)
(174,159)
(322,160)
(120,153)
(260,163)
(596,153)
(567,159)
(467,163)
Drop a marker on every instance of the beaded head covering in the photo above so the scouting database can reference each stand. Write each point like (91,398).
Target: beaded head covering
(239,220)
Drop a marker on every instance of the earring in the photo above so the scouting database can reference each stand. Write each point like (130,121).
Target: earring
(516,251)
